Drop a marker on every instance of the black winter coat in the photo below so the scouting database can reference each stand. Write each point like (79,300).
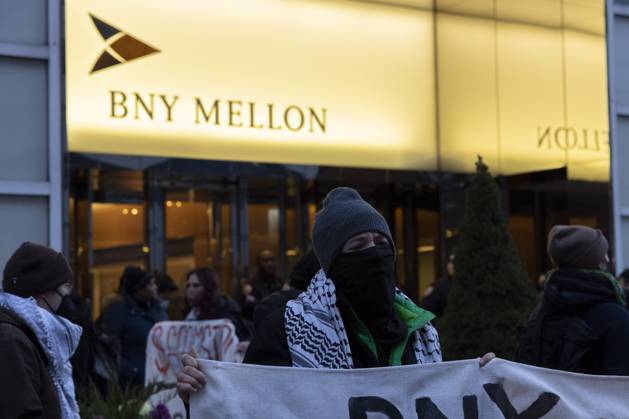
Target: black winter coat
(436,301)
(26,389)
(261,288)
(79,313)
(271,303)
(270,346)
(131,323)
(578,326)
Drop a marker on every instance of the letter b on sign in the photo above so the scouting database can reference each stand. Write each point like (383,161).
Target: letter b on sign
(360,406)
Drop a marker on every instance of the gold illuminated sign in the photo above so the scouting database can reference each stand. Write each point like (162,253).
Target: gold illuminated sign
(217,112)
(120,48)
(299,82)
(526,97)
(336,82)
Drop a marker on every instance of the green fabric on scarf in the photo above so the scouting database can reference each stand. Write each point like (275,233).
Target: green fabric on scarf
(414,317)
(618,291)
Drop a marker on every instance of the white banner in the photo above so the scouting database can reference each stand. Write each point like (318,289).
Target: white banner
(449,390)
(168,341)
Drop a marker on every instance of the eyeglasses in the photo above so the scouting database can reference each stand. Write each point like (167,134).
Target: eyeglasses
(68,285)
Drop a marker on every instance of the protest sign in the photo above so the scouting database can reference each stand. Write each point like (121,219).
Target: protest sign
(168,341)
(448,390)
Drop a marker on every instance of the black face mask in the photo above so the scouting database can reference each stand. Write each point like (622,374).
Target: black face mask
(67,308)
(366,279)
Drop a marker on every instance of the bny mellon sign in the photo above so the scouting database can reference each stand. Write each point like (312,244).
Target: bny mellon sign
(337,83)
(302,82)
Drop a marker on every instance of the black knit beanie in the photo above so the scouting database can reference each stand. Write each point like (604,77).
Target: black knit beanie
(134,279)
(344,215)
(35,269)
(164,282)
(576,247)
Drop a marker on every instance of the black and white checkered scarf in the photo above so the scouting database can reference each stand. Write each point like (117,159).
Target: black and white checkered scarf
(317,337)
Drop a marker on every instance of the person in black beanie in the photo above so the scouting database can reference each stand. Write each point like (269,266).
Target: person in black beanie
(131,321)
(581,324)
(351,315)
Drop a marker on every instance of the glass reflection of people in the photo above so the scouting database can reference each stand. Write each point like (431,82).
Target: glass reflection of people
(435,298)
(264,283)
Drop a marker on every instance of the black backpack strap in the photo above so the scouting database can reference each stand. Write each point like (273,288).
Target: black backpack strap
(529,349)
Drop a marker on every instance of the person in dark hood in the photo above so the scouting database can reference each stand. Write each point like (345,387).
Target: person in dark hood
(352,315)
(581,324)
(298,280)
(35,342)
(436,296)
(77,309)
(171,300)
(263,284)
(205,301)
(131,321)
(623,280)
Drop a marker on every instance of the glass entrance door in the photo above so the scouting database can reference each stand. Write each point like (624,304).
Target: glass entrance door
(198,233)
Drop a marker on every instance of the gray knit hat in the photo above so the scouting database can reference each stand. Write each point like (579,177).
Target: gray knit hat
(576,247)
(344,215)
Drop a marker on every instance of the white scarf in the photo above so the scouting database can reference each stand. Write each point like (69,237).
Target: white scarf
(317,337)
(58,338)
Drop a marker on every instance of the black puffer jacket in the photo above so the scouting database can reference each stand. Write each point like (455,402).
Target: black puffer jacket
(130,323)
(436,301)
(275,301)
(580,325)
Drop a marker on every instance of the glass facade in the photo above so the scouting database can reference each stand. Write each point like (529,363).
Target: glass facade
(226,222)
(525,87)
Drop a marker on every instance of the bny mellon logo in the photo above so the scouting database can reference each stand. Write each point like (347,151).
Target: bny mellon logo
(121,47)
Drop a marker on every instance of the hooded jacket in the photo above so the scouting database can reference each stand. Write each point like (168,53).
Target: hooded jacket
(130,323)
(580,325)
(56,338)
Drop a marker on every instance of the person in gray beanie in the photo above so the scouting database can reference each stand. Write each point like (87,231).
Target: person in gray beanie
(581,323)
(351,315)
(577,247)
(344,215)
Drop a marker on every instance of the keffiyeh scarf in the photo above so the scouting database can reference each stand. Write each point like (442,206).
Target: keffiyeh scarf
(317,337)
(58,338)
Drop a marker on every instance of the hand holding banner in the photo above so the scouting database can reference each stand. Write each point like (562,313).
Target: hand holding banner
(169,341)
(447,390)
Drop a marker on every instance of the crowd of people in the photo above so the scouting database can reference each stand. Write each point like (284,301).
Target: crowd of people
(340,308)
(50,349)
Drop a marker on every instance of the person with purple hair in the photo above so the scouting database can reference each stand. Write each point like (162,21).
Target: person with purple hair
(205,301)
